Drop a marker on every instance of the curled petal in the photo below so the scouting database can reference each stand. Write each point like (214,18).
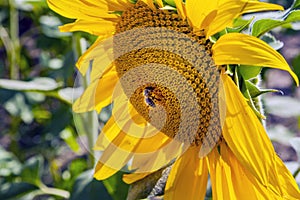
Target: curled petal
(238,48)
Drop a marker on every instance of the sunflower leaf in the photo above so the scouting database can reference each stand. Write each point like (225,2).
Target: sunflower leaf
(32,170)
(272,41)
(264,25)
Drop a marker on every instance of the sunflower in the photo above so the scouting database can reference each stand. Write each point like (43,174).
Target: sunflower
(165,67)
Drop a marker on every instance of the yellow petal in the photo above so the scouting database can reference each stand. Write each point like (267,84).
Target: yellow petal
(145,137)
(77,9)
(238,48)
(198,12)
(229,178)
(153,161)
(229,10)
(104,28)
(285,176)
(116,154)
(220,173)
(98,94)
(150,4)
(122,140)
(103,171)
(180,9)
(113,159)
(100,55)
(188,177)
(150,153)
(249,142)
(160,3)
(118,5)
(131,178)
(109,132)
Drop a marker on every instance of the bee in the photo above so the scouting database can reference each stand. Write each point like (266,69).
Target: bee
(150,96)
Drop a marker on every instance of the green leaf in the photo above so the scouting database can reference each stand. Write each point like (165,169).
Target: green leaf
(296,4)
(248,72)
(116,187)
(272,41)
(37,84)
(32,170)
(86,187)
(264,25)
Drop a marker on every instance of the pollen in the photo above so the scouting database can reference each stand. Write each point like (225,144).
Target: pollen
(150,96)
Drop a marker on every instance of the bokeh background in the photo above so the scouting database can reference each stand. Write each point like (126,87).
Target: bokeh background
(45,150)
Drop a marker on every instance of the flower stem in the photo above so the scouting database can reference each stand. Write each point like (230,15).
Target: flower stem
(53,191)
(89,120)
(14,54)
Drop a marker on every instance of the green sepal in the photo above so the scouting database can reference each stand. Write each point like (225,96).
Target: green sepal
(255,91)
(118,13)
(239,25)
(249,72)
(170,3)
(250,100)
(242,85)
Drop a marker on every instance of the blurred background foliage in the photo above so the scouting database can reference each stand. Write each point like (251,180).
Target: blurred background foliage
(43,155)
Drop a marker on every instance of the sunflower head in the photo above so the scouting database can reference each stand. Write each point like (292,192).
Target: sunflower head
(164,75)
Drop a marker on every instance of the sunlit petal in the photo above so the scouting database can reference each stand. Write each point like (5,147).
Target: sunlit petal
(238,48)
(102,28)
(76,9)
(249,142)
(98,94)
(98,57)
(149,3)
(229,178)
(188,177)
(131,178)
(197,12)
(180,9)
(103,171)
(160,3)
(220,173)
(227,11)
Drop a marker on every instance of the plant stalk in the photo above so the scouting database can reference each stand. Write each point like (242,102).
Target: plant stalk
(14,54)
